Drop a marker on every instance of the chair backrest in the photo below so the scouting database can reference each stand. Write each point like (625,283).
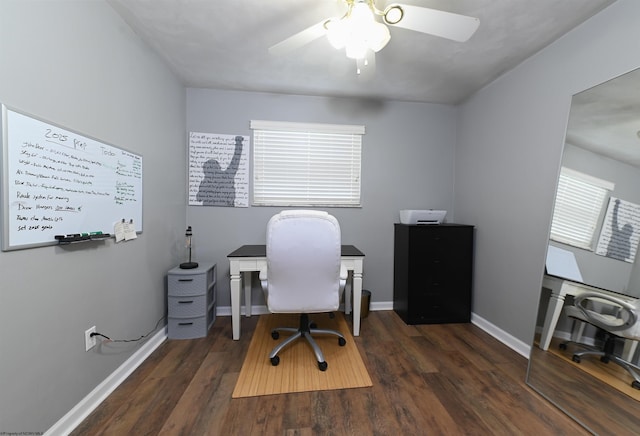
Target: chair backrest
(622,319)
(303,262)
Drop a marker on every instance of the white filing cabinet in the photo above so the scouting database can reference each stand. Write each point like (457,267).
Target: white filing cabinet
(191,301)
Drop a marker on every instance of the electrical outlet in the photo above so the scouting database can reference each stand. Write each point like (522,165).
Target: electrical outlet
(89,341)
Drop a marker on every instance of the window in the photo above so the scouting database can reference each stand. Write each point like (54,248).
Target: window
(579,203)
(300,164)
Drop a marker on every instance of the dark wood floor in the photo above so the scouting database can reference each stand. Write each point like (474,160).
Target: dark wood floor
(451,379)
(601,407)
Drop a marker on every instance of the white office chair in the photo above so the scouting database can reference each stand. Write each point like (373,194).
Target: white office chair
(304,274)
(618,319)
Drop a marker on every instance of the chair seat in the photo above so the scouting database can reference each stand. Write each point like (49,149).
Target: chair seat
(602,318)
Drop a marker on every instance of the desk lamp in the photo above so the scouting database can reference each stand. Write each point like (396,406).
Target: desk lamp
(189,264)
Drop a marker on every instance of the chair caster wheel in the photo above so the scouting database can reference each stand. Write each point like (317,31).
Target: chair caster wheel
(313,325)
(322,366)
(604,359)
(562,346)
(576,359)
(342,342)
(275,360)
(635,384)
(275,334)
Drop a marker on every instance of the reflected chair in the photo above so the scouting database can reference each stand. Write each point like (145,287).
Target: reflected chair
(618,319)
(303,275)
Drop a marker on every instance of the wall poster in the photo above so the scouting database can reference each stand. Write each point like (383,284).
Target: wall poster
(218,170)
(620,231)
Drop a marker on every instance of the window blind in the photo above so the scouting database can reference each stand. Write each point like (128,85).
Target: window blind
(303,164)
(580,199)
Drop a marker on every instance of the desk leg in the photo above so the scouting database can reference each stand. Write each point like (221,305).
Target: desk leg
(357,298)
(347,294)
(554,308)
(235,305)
(246,279)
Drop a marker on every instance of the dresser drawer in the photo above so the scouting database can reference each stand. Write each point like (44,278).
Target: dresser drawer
(187,284)
(186,306)
(187,328)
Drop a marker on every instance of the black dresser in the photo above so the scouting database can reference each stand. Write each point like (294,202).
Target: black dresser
(432,276)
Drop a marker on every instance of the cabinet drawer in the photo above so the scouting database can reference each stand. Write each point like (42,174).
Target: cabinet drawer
(187,328)
(187,284)
(186,307)
(440,309)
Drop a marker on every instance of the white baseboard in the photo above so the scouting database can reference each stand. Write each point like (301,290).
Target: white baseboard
(75,416)
(255,310)
(510,341)
(381,305)
(262,309)
(566,336)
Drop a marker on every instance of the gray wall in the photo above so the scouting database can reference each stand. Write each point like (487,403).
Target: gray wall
(407,163)
(510,139)
(75,63)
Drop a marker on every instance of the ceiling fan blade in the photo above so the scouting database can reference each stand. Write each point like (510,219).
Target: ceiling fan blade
(299,39)
(439,23)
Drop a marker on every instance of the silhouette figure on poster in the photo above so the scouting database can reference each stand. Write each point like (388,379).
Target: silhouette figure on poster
(217,188)
(620,244)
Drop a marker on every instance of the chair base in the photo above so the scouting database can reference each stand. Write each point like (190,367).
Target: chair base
(606,355)
(305,330)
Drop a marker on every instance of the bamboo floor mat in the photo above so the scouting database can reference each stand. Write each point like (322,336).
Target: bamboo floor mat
(298,369)
(610,373)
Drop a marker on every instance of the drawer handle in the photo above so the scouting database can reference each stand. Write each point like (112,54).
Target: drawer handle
(185,302)
(185,323)
(185,280)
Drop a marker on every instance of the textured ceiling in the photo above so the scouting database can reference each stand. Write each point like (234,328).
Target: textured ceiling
(606,119)
(223,44)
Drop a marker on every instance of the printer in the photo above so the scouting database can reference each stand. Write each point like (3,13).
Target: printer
(429,216)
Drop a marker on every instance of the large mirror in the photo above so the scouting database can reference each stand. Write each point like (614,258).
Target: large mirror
(593,250)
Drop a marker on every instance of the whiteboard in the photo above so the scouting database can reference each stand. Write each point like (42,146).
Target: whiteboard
(56,181)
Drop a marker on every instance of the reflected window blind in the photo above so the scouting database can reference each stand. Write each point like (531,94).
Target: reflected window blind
(580,199)
(303,164)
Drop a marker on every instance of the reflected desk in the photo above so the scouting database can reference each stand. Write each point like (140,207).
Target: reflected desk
(560,288)
(253,258)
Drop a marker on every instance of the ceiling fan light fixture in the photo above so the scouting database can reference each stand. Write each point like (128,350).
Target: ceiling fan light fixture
(356,49)
(393,14)
(360,15)
(337,33)
(358,31)
(379,36)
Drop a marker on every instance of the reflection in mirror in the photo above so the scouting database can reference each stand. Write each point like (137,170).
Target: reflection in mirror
(593,249)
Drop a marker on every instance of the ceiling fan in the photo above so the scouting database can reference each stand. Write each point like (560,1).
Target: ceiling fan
(360,33)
